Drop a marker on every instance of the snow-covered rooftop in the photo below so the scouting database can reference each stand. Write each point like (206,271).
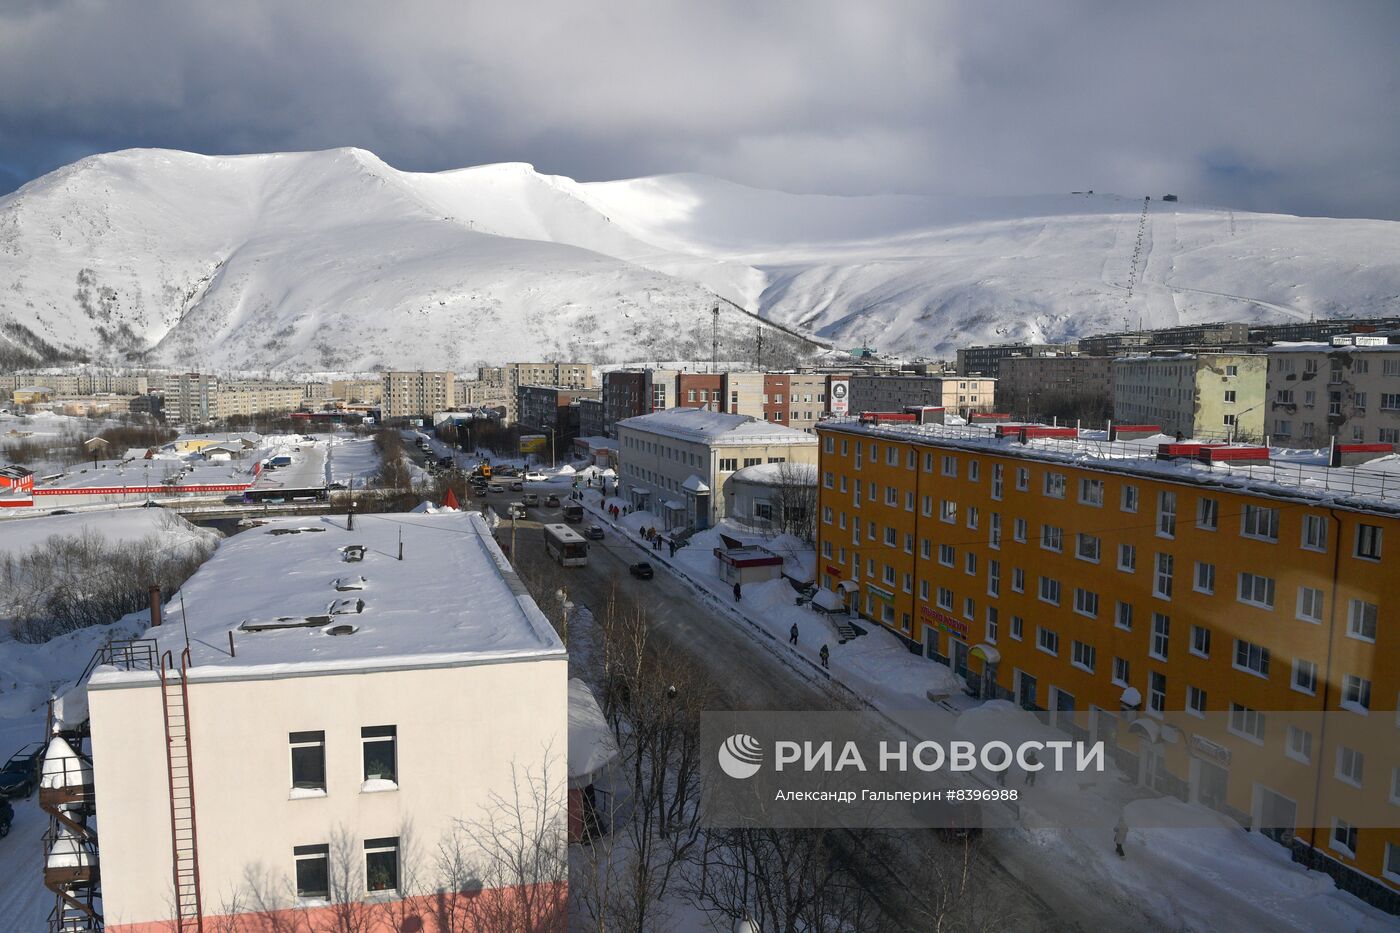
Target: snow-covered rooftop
(776,474)
(277,586)
(1321,347)
(715,428)
(1288,472)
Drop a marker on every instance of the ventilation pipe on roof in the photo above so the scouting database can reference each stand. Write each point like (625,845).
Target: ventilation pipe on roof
(155,605)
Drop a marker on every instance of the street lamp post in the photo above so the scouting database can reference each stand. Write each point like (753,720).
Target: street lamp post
(1235,425)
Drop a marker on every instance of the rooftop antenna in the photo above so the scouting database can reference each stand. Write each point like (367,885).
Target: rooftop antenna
(714,341)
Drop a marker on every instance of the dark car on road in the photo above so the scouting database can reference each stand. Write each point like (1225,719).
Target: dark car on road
(20,775)
(594,533)
(641,570)
(517,486)
(552,501)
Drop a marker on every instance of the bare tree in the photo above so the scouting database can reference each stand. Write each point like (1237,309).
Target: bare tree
(797,499)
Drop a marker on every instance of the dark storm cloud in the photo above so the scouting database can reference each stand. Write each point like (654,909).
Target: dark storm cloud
(1266,104)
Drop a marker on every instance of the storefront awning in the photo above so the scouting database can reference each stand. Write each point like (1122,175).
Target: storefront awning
(987,653)
(848,586)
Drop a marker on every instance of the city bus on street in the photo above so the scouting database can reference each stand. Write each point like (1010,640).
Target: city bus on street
(565,545)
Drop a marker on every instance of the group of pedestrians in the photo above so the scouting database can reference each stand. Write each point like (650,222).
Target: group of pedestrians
(824,654)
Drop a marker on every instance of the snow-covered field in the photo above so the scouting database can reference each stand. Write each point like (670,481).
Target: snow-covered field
(335,260)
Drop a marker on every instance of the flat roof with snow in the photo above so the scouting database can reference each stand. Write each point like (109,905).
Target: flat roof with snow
(297,605)
(715,428)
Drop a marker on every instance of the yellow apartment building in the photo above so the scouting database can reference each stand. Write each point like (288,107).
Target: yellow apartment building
(1123,593)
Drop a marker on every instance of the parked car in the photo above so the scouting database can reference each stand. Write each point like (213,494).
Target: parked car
(515,510)
(536,477)
(552,501)
(495,488)
(642,571)
(594,533)
(532,498)
(61,512)
(517,486)
(20,775)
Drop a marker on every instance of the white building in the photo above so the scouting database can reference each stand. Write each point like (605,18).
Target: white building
(337,707)
(1348,390)
(677,463)
(1197,394)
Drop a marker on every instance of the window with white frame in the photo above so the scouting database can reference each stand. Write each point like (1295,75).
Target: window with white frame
(1351,765)
(993,624)
(1304,678)
(1246,722)
(1260,522)
(1084,656)
(1020,530)
(379,747)
(1196,701)
(1298,745)
(1018,627)
(1361,620)
(313,874)
(1309,604)
(1166,514)
(1356,693)
(994,530)
(1207,513)
(993,578)
(923,590)
(1023,479)
(1091,492)
(1251,657)
(950,465)
(1314,533)
(974,471)
(1156,692)
(1047,640)
(974,517)
(1161,636)
(382,864)
(949,512)
(1205,577)
(970,563)
(1127,558)
(1120,672)
(969,607)
(1087,547)
(1052,538)
(947,555)
(1018,580)
(308,760)
(1123,616)
(1368,542)
(1050,591)
(1162,581)
(1128,499)
(1086,602)
(945,598)
(1391,866)
(1200,641)
(1054,484)
(997,480)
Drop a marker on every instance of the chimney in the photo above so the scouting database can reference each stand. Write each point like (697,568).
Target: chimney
(155,605)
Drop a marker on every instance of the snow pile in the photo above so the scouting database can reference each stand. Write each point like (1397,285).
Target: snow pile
(591,742)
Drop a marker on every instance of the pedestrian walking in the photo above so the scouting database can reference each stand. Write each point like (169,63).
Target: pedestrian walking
(672,543)
(792,634)
(738,593)
(1120,835)
(1031,759)
(825,654)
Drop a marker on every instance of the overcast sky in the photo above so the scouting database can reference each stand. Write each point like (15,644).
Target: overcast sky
(1261,104)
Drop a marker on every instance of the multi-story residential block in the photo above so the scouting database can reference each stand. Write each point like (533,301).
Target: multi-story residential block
(191,398)
(248,398)
(798,400)
(359,391)
(986,361)
(512,376)
(960,394)
(628,393)
(1223,335)
(700,390)
(590,417)
(1129,595)
(744,394)
(677,463)
(1022,379)
(1348,390)
(553,410)
(316,736)
(416,394)
(1194,394)
(1325,329)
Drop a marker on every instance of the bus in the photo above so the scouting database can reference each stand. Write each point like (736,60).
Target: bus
(573,513)
(565,545)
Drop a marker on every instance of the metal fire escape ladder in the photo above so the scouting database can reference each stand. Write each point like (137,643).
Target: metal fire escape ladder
(184,843)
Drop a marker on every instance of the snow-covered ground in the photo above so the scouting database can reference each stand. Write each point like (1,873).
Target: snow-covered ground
(116,526)
(1212,878)
(335,260)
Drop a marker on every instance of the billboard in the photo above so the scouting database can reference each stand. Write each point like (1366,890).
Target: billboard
(840,395)
(533,443)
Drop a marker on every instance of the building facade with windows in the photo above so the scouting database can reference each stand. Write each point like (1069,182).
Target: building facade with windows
(1348,390)
(988,360)
(677,464)
(416,394)
(1204,395)
(1023,380)
(961,394)
(1115,590)
(298,742)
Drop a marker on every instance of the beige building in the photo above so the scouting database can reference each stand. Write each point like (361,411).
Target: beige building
(509,378)
(1348,390)
(676,464)
(744,393)
(191,398)
(322,734)
(248,398)
(365,391)
(960,394)
(1197,394)
(416,394)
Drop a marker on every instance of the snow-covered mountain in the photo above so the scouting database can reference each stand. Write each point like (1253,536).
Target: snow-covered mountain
(335,260)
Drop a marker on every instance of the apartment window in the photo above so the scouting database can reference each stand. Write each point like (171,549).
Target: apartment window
(308,760)
(1200,641)
(728,464)
(969,607)
(1309,604)
(1086,602)
(974,517)
(1084,656)
(1127,558)
(1246,723)
(992,624)
(994,531)
(1314,533)
(1023,479)
(908,502)
(1120,671)
(949,512)
(1161,635)
(1350,765)
(1207,513)
(891,536)
(1020,529)
(1087,548)
(382,864)
(1157,692)
(1390,401)
(1205,577)
(1166,514)
(970,563)
(1368,542)
(947,555)
(1298,745)
(994,578)
(313,871)
(950,466)
(1091,491)
(1054,484)
(1047,640)
(1050,591)
(1162,583)
(1343,837)
(1018,580)
(380,745)
(1229,395)
(1251,657)
(1304,676)
(891,496)
(1356,693)
(1129,499)
(1196,701)
(945,598)
(996,480)
(1123,616)
(1018,627)
(1361,620)
(1260,522)
(889,575)
(1052,538)
(1257,590)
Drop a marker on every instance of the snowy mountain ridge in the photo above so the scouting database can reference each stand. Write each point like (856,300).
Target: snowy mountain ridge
(335,260)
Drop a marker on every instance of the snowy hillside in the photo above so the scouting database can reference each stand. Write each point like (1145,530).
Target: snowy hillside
(335,260)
